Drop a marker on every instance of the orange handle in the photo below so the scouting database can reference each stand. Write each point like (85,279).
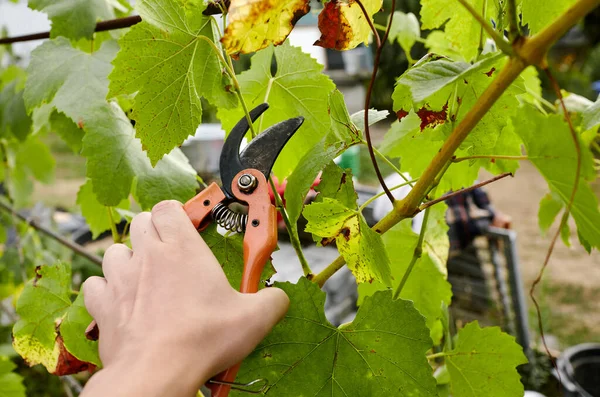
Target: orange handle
(260,241)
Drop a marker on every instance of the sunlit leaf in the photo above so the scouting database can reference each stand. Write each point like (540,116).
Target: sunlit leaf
(343,23)
(537,14)
(255,24)
(11,384)
(97,215)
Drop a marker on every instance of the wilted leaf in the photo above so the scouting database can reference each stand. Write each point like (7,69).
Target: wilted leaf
(255,24)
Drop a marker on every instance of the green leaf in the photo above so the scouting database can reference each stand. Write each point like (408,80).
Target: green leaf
(74,82)
(427,286)
(96,214)
(11,384)
(74,18)
(298,88)
(591,116)
(405,29)
(483,363)
(462,30)
(550,206)
(14,119)
(116,160)
(342,135)
(43,306)
(361,247)
(337,184)
(375,116)
(380,353)
(540,13)
(230,253)
(72,329)
(555,158)
(169,60)
(67,130)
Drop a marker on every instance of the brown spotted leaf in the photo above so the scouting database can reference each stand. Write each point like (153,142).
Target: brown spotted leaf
(50,330)
(361,247)
(343,24)
(255,24)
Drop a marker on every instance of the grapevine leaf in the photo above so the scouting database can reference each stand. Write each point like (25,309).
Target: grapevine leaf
(462,30)
(11,384)
(382,352)
(484,363)
(74,82)
(343,24)
(72,330)
(96,214)
(337,184)
(427,286)
(405,29)
(550,206)
(14,119)
(298,88)
(555,158)
(591,116)
(74,19)
(255,24)
(342,134)
(361,247)
(115,160)
(438,43)
(26,161)
(169,60)
(230,254)
(70,132)
(540,13)
(43,306)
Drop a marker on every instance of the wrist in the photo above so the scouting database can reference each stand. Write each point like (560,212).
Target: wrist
(151,376)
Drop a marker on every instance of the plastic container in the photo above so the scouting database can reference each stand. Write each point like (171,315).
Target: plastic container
(579,368)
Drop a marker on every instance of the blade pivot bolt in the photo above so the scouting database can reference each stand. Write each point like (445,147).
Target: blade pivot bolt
(247,183)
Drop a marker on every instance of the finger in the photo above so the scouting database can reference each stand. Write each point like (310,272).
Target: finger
(272,303)
(95,296)
(142,232)
(171,222)
(115,264)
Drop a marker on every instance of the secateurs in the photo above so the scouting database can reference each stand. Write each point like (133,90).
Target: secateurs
(244,180)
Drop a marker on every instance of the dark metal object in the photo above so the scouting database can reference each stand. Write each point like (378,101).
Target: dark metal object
(229,219)
(247,183)
(261,152)
(518,321)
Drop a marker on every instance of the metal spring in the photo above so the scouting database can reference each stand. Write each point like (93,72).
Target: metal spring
(229,219)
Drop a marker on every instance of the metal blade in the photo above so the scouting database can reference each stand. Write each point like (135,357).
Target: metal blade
(230,164)
(262,152)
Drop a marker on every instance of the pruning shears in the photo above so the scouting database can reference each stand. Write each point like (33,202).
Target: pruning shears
(244,180)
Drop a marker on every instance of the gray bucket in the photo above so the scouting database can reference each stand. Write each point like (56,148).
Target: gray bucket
(579,368)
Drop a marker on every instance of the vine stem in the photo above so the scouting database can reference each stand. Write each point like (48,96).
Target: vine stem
(502,44)
(437,355)
(514,32)
(491,157)
(526,52)
(293,238)
(378,52)
(113,228)
(375,197)
(462,191)
(416,255)
(564,219)
(73,246)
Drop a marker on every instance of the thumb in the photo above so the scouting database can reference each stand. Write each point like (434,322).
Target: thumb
(272,303)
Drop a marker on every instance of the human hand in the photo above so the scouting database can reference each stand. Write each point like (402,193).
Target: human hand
(501,220)
(168,318)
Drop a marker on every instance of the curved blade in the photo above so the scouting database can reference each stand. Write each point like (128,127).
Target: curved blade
(262,152)
(230,164)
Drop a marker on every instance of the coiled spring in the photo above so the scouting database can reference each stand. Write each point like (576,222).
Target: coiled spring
(229,219)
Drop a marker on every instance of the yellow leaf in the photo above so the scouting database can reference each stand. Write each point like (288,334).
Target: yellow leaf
(343,24)
(255,24)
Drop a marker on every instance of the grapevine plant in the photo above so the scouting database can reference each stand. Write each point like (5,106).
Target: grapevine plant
(126,99)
